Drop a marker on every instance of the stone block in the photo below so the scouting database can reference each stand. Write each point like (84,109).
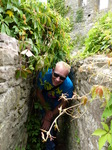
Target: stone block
(97,72)
(9,101)
(8,42)
(13,82)
(13,126)
(7,73)
(2,110)
(13,97)
(3,87)
(8,56)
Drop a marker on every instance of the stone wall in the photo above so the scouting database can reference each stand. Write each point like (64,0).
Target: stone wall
(14,96)
(91,12)
(79,133)
(90,121)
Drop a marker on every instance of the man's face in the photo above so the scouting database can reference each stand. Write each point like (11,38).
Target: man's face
(59,74)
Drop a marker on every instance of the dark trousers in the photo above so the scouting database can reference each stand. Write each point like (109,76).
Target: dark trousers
(50,145)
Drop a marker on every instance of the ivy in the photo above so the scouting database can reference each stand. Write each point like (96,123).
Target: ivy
(59,6)
(99,39)
(105,134)
(79,15)
(43,37)
(41,31)
(33,126)
(108,109)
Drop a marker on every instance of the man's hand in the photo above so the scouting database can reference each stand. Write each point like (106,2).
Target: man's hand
(49,115)
(46,124)
(47,120)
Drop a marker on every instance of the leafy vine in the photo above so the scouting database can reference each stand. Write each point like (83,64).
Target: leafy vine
(43,34)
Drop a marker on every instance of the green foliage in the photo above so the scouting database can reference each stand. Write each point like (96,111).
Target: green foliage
(78,41)
(105,135)
(99,40)
(100,36)
(79,15)
(101,92)
(59,6)
(40,30)
(33,126)
(20,148)
(76,137)
(108,109)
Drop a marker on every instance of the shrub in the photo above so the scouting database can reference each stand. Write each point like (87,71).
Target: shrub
(42,32)
(100,36)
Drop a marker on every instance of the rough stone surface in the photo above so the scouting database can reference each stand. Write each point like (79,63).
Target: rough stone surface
(91,120)
(14,96)
(14,93)
(91,12)
(79,133)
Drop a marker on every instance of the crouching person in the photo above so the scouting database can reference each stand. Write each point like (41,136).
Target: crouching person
(51,86)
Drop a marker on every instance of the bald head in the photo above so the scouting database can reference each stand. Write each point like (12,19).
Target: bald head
(63,66)
(60,73)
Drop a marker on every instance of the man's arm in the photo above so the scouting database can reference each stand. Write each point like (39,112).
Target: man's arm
(56,110)
(48,114)
(41,98)
(63,102)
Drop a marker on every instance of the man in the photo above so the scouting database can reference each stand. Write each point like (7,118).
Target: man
(50,88)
